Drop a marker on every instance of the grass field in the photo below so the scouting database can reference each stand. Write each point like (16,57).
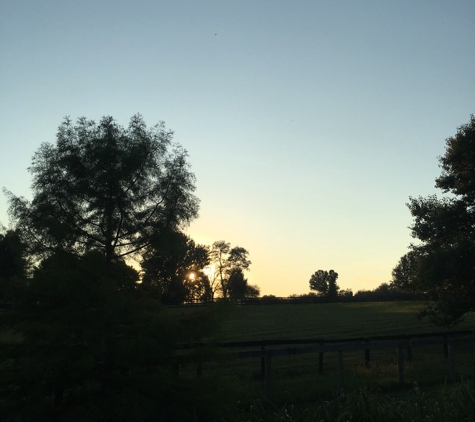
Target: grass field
(296,379)
(328,321)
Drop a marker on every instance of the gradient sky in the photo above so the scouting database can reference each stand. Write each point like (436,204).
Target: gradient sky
(308,123)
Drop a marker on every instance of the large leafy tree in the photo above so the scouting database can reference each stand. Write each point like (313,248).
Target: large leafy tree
(80,340)
(174,269)
(226,261)
(105,187)
(445,229)
(324,282)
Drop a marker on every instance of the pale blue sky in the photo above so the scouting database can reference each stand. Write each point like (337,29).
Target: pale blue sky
(308,123)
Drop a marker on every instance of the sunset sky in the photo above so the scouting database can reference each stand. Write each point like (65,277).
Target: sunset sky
(308,123)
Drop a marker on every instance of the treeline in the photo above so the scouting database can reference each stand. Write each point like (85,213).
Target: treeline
(385,292)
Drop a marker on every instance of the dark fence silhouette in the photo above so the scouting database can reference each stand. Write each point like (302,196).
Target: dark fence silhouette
(402,343)
(307,299)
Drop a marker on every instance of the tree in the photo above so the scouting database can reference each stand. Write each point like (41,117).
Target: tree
(445,227)
(174,269)
(13,261)
(238,287)
(81,340)
(226,260)
(105,187)
(324,282)
(405,273)
(14,264)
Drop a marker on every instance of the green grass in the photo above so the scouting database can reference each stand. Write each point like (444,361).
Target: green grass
(329,321)
(296,379)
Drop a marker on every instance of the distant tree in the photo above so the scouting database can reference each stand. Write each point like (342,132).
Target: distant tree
(405,273)
(174,269)
(239,288)
(446,230)
(324,282)
(226,260)
(107,188)
(347,293)
(383,290)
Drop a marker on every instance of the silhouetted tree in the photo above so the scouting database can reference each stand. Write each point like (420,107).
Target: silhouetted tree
(346,293)
(105,187)
(226,260)
(13,261)
(83,340)
(324,282)
(239,288)
(405,272)
(174,269)
(446,231)
(14,265)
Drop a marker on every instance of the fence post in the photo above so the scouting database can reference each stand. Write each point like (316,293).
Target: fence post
(263,361)
(268,376)
(341,380)
(199,369)
(400,363)
(320,360)
(446,348)
(367,356)
(409,349)
(451,353)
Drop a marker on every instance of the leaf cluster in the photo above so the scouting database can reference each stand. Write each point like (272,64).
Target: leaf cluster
(442,264)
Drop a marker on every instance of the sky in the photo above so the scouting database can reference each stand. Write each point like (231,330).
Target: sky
(308,124)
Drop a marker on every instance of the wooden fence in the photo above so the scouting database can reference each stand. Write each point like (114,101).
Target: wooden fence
(322,346)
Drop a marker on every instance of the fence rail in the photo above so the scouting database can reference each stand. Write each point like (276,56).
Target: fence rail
(339,346)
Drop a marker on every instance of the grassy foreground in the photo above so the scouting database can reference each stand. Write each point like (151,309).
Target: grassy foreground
(301,394)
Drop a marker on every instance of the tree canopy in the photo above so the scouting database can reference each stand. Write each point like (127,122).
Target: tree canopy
(105,187)
(226,261)
(174,269)
(445,228)
(324,282)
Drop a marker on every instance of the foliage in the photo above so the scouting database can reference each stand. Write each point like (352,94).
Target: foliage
(105,187)
(446,230)
(93,346)
(86,337)
(239,288)
(14,265)
(174,269)
(405,272)
(324,282)
(226,260)
(346,293)
(448,403)
(13,261)
(81,339)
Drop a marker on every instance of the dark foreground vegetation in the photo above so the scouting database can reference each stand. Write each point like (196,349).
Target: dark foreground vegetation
(455,402)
